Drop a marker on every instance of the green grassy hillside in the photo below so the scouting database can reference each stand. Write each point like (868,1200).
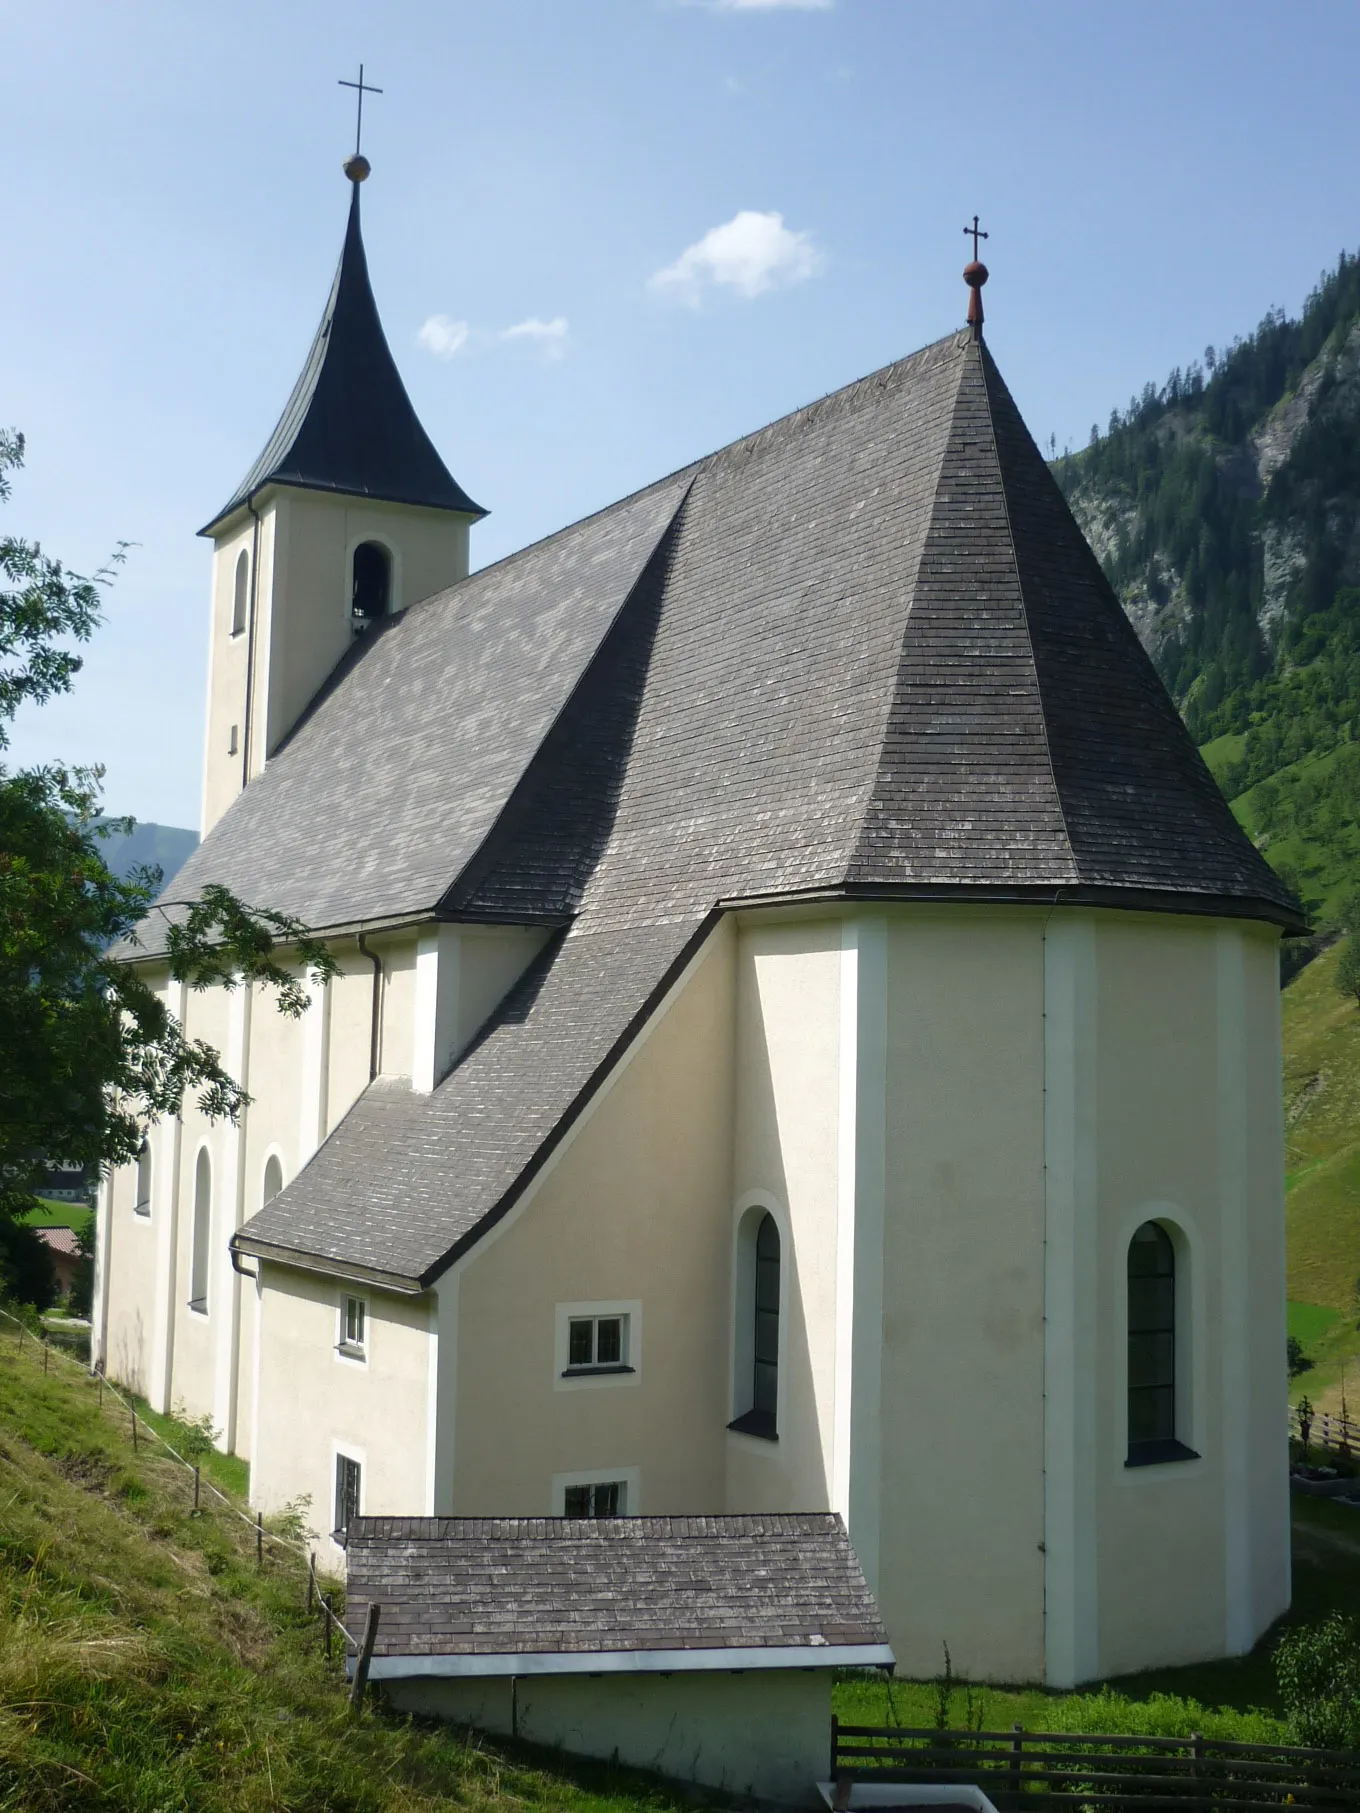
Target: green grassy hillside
(1322,1176)
(146,1664)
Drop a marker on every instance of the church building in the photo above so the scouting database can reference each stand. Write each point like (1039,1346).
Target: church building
(805,1036)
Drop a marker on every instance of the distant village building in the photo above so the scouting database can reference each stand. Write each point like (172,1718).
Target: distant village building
(806,1036)
(63,1248)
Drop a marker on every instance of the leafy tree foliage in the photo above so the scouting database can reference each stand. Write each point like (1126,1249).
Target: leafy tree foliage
(1348,969)
(90,1054)
(1318,1670)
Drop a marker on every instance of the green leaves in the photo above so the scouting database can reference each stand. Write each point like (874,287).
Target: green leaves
(90,1054)
(1318,1670)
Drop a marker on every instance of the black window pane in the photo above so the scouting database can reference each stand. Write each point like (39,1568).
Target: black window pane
(346,1491)
(766,1388)
(1152,1415)
(609,1341)
(767,1337)
(765,1330)
(1152,1360)
(607,1499)
(1152,1336)
(580,1349)
(577,1502)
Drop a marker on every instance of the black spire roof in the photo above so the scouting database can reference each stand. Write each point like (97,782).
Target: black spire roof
(349,425)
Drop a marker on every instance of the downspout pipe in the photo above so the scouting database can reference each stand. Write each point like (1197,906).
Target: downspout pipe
(375,1022)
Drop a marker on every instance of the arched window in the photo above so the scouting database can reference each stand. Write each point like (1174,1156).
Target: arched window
(240,596)
(756,1385)
(141,1203)
(273,1181)
(198,1273)
(371,593)
(1152,1348)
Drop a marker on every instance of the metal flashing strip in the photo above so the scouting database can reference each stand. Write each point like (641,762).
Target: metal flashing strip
(633,1661)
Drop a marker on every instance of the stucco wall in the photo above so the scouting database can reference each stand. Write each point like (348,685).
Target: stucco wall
(763,1733)
(960,1561)
(127,1248)
(1190,1553)
(785,1157)
(314,1400)
(637,1208)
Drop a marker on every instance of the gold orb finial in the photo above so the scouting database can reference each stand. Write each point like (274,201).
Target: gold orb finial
(357,167)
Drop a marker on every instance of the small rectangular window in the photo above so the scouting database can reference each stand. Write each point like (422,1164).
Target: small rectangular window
(232,746)
(597,1344)
(604,1498)
(347,1482)
(354,1327)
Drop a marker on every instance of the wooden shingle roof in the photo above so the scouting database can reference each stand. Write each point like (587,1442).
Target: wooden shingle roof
(863,653)
(499,1595)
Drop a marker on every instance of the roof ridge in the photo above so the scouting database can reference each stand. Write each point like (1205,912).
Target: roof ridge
(981,357)
(692,469)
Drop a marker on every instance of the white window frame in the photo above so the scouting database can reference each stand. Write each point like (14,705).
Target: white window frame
(348,1353)
(350,1451)
(1192,1426)
(592,1378)
(630,1478)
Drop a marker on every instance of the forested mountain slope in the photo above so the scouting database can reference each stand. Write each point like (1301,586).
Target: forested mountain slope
(1225,505)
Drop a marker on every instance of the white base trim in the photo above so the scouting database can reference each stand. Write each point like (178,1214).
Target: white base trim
(633,1661)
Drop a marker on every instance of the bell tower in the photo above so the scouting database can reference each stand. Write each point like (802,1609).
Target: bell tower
(348,515)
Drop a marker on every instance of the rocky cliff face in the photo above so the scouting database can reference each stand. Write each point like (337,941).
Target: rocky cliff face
(1225,506)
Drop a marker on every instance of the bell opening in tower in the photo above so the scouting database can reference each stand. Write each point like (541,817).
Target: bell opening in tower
(371,592)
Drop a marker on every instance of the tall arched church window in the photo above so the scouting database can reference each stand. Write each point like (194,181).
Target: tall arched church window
(758,1286)
(273,1181)
(371,588)
(142,1201)
(1152,1393)
(240,597)
(202,1243)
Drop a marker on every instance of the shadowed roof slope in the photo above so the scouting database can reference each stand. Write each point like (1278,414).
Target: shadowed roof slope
(349,425)
(863,653)
(483,1588)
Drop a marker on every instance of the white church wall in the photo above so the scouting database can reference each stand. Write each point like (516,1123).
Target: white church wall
(192,1365)
(785,1157)
(635,1208)
(1190,1553)
(351,1031)
(316,1402)
(126,1243)
(228,660)
(961,1491)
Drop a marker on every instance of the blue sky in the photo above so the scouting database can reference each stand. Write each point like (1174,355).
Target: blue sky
(605,177)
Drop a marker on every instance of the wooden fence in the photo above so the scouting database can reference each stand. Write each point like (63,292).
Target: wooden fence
(1339,1433)
(1032,1770)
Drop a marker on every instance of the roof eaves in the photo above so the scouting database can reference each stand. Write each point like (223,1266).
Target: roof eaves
(631,1661)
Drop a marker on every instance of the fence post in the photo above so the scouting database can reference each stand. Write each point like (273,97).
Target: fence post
(311,1582)
(259,1539)
(100,1404)
(835,1734)
(195,1488)
(326,1621)
(1017,1756)
(134,1428)
(1196,1754)
(44,1339)
(356,1692)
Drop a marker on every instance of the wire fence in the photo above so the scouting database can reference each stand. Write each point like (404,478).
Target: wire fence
(319,1601)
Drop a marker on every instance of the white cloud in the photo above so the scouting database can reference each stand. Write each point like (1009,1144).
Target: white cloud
(446,338)
(750,253)
(549,336)
(443,336)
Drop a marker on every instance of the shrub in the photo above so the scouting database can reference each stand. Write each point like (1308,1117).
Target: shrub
(1317,1667)
(1348,969)
(1298,1359)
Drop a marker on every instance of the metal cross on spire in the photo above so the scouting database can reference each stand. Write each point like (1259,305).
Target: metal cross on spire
(975,230)
(975,275)
(368,88)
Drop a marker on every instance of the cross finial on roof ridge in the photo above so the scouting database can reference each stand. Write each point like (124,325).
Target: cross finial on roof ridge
(975,275)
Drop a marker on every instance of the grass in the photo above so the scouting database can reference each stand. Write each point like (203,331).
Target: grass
(146,1664)
(50,1214)
(1234,1699)
(1322,1179)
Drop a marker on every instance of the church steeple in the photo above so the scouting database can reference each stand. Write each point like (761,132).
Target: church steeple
(349,425)
(348,516)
